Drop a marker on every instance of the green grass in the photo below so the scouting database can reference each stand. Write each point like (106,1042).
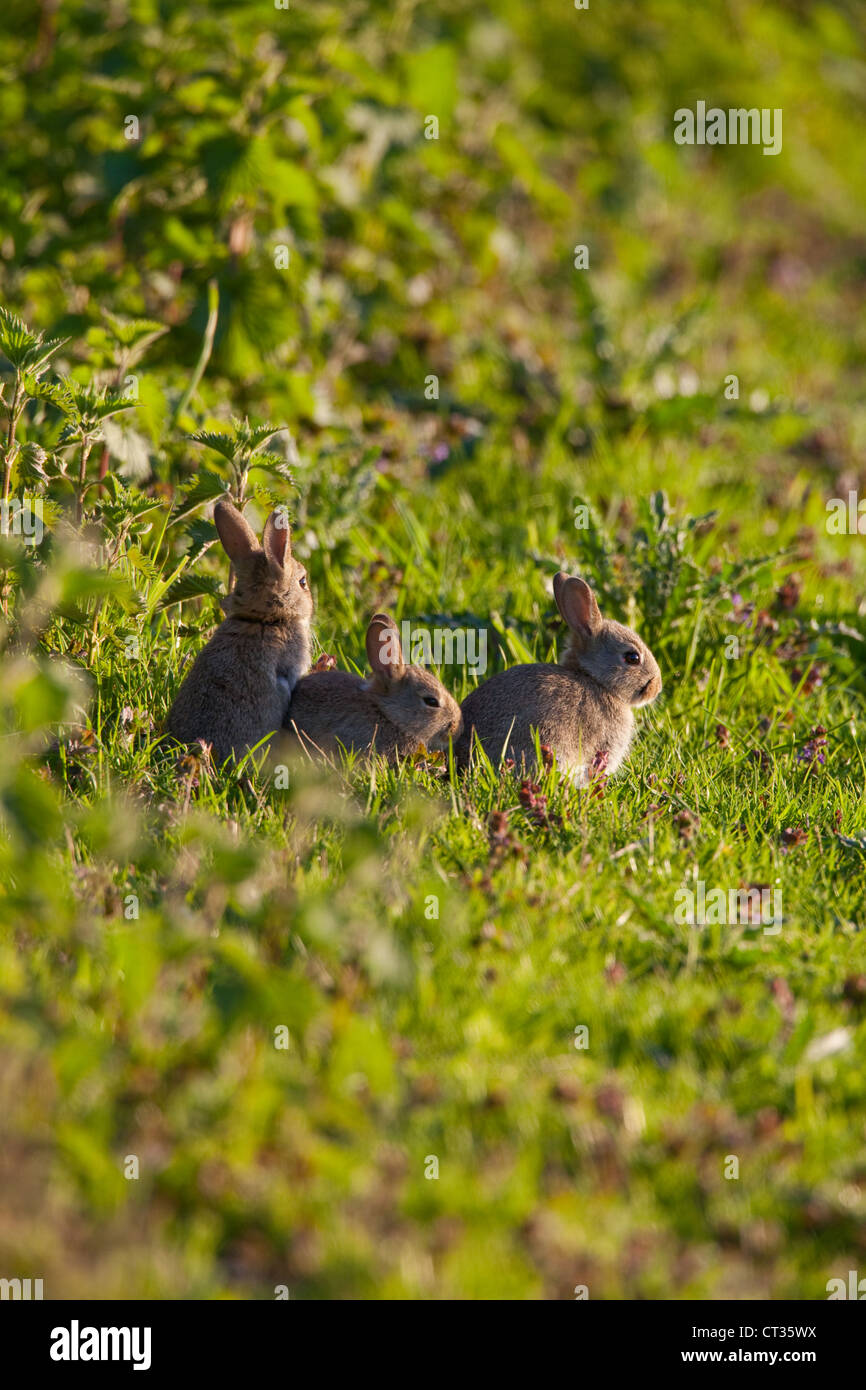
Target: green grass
(431,945)
(426,945)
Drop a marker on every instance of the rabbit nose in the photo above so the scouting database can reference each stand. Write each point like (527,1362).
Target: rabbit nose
(648,691)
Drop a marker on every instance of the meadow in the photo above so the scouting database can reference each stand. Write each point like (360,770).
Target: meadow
(380,1032)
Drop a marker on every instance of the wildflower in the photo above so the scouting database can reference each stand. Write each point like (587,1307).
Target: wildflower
(813,751)
(764,622)
(598,766)
(598,772)
(501,840)
(788,596)
(741,612)
(534,803)
(814,678)
(792,836)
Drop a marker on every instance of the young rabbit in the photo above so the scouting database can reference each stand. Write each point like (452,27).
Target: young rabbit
(239,687)
(581,708)
(393,712)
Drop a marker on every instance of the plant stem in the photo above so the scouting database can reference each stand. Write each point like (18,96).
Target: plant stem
(86,446)
(119,378)
(213,304)
(10,437)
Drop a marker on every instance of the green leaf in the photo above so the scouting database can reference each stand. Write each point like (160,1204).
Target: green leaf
(273,464)
(134,332)
(190,586)
(31,805)
(16,340)
(223,444)
(205,487)
(28,352)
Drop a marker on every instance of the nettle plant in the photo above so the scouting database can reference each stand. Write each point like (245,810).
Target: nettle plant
(82,410)
(671,580)
(131,543)
(668,579)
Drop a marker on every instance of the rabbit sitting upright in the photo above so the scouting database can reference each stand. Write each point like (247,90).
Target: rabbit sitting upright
(394,712)
(581,708)
(239,686)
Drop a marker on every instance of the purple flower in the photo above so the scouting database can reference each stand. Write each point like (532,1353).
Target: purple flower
(810,753)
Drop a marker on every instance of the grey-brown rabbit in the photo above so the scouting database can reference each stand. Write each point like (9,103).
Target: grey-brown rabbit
(581,708)
(393,712)
(239,686)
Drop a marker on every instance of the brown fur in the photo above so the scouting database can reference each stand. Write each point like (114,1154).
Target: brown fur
(581,708)
(239,687)
(385,713)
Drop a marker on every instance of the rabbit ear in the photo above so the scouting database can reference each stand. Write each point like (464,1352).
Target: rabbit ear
(276,541)
(384,652)
(577,604)
(237,536)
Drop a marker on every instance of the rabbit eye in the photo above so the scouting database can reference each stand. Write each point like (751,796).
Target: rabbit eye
(431,701)
(632,657)
(303,581)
